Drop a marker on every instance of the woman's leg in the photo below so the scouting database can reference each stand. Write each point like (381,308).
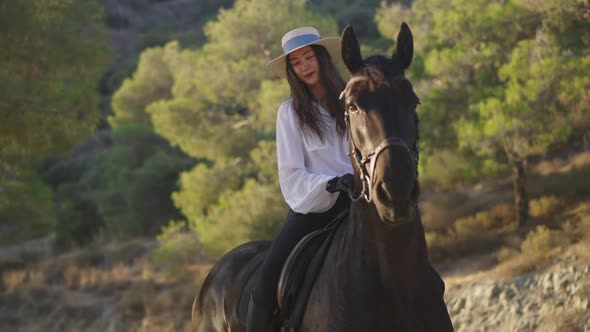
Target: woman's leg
(297,226)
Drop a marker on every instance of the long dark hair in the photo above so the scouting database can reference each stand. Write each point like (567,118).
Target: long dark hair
(309,117)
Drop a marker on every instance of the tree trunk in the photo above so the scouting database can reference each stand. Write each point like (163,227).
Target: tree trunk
(521,198)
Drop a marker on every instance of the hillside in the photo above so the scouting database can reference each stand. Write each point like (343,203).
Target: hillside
(115,286)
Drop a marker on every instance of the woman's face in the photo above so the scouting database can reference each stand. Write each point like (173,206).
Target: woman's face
(305,65)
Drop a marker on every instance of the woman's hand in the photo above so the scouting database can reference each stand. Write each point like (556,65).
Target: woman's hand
(340,183)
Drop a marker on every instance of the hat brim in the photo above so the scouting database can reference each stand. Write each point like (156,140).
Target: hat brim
(278,66)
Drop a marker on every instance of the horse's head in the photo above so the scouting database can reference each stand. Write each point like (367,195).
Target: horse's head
(381,114)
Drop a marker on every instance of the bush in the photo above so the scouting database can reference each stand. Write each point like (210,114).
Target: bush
(449,169)
(584,226)
(177,247)
(469,235)
(546,205)
(122,191)
(539,241)
(500,215)
(441,210)
(253,213)
(439,245)
(78,220)
(26,207)
(505,254)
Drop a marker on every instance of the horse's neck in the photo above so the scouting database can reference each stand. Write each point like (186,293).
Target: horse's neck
(368,281)
(391,254)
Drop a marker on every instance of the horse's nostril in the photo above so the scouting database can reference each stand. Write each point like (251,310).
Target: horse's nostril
(384,194)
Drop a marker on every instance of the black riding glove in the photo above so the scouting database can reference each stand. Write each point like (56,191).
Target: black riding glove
(340,183)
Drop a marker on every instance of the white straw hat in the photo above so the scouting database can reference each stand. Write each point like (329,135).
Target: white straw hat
(298,38)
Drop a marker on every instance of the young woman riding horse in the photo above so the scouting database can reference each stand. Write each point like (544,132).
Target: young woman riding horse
(376,275)
(311,151)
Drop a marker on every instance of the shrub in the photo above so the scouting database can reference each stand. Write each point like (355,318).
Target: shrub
(584,226)
(78,220)
(136,299)
(448,169)
(439,245)
(505,254)
(439,211)
(539,241)
(546,205)
(177,247)
(26,207)
(252,213)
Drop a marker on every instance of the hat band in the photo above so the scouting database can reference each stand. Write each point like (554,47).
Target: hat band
(298,41)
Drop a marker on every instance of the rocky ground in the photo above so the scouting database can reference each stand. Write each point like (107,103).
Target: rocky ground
(555,299)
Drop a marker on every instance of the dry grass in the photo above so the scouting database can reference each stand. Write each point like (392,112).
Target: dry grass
(542,240)
(546,206)
(12,280)
(563,165)
(504,254)
(78,289)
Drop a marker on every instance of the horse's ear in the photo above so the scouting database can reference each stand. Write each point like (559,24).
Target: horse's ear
(404,46)
(351,51)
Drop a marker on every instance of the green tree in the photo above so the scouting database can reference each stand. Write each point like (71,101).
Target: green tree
(263,116)
(201,187)
(120,190)
(138,175)
(223,109)
(150,83)
(53,54)
(252,213)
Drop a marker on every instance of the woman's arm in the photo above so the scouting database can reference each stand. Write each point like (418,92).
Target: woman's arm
(303,191)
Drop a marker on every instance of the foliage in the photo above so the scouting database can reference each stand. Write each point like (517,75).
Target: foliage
(448,169)
(264,107)
(201,187)
(440,211)
(53,53)
(202,130)
(223,109)
(137,177)
(151,82)
(177,246)
(25,208)
(505,254)
(253,213)
(230,203)
(468,234)
(484,221)
(78,219)
(492,76)
(546,206)
(524,122)
(542,239)
(120,191)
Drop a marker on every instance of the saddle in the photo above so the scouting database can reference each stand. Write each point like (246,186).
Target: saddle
(297,277)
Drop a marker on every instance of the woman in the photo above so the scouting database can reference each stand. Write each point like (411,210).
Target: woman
(312,155)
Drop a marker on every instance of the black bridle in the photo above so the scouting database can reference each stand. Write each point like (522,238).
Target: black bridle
(367,174)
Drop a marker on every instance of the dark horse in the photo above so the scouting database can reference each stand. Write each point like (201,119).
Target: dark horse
(373,278)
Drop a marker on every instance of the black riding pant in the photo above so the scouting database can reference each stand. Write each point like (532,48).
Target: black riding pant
(295,228)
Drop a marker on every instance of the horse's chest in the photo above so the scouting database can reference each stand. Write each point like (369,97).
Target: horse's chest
(351,309)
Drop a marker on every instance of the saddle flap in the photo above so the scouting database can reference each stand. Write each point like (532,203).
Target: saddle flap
(296,265)
(300,271)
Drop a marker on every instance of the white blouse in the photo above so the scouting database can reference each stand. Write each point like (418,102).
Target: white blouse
(306,164)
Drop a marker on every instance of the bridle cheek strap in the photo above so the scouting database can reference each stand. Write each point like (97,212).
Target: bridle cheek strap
(390,141)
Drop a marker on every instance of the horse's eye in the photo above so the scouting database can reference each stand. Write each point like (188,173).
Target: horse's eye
(351,107)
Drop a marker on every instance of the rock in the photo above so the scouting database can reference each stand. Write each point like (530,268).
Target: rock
(525,302)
